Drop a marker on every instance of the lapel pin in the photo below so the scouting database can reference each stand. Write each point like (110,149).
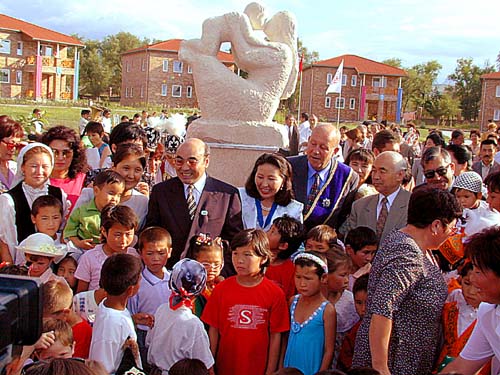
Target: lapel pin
(204,213)
(326,203)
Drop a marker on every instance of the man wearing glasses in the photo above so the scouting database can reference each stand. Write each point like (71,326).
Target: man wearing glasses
(438,168)
(194,202)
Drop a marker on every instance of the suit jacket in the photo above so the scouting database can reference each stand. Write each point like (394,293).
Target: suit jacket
(293,142)
(218,213)
(476,167)
(364,213)
(300,175)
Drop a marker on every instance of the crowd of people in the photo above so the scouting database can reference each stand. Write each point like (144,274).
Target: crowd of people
(351,251)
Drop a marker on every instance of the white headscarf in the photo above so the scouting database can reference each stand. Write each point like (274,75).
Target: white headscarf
(20,159)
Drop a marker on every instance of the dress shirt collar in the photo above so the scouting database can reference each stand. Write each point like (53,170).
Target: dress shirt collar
(198,185)
(153,279)
(390,197)
(323,174)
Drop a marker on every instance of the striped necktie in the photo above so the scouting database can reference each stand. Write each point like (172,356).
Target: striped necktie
(313,192)
(191,202)
(382,217)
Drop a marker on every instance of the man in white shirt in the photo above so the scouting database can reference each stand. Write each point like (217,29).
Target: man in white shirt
(304,131)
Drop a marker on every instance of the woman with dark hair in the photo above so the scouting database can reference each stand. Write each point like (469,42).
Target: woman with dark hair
(461,157)
(268,193)
(400,331)
(70,161)
(11,133)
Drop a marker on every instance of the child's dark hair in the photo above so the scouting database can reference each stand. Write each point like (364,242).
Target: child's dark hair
(292,232)
(304,262)
(257,239)
(323,233)
(330,372)
(126,150)
(94,127)
(336,258)
(465,269)
(203,242)
(126,132)
(123,215)
(483,249)
(191,366)
(119,272)
(362,371)
(288,371)
(46,201)
(492,182)
(108,177)
(154,234)
(361,283)
(360,237)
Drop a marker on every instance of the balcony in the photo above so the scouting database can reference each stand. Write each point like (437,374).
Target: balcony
(52,62)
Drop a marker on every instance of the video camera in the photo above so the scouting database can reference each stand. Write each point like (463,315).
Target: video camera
(20,314)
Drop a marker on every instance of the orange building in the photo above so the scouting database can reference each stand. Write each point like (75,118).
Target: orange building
(154,74)
(370,90)
(36,62)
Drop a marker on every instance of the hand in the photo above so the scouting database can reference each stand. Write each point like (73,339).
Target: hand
(144,319)
(45,340)
(83,244)
(143,188)
(132,344)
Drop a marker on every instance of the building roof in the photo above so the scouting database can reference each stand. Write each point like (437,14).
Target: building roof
(362,65)
(494,75)
(36,32)
(173,45)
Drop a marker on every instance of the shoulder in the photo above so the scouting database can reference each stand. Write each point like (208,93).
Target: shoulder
(297,160)
(365,201)
(487,309)
(215,185)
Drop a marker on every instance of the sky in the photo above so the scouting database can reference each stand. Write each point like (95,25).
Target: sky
(415,31)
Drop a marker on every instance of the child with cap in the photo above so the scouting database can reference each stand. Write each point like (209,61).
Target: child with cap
(177,332)
(40,251)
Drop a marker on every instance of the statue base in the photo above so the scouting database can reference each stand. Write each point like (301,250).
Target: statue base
(234,146)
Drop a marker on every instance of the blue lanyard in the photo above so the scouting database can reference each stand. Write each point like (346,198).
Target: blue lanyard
(260,217)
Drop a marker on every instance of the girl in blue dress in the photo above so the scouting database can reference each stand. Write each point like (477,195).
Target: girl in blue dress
(313,319)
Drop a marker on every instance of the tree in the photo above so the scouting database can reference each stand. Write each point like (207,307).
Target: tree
(468,86)
(498,61)
(418,85)
(442,106)
(94,74)
(393,61)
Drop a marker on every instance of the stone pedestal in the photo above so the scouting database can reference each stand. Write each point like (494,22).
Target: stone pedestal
(234,147)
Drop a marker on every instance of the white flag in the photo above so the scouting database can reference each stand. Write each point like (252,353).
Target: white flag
(336,84)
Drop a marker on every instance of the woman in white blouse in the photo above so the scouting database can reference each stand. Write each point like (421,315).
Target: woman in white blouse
(34,166)
(268,193)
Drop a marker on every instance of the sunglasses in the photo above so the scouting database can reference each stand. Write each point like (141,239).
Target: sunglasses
(441,171)
(12,145)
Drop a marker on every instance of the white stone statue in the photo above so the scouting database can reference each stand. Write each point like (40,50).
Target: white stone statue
(271,63)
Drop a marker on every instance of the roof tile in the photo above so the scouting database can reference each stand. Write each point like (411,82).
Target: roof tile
(362,65)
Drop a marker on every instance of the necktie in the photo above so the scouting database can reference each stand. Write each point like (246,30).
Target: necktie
(382,217)
(191,202)
(313,192)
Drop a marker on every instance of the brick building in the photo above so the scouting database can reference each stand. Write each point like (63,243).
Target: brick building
(37,63)
(490,99)
(370,90)
(154,74)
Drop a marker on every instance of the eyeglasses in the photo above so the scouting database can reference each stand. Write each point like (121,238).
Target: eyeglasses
(192,162)
(441,171)
(12,145)
(62,153)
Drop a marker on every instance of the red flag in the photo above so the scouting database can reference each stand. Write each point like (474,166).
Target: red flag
(301,63)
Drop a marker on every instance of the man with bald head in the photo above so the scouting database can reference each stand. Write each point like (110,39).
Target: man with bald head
(194,202)
(388,209)
(320,182)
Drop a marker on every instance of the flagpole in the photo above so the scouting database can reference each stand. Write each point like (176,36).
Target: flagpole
(338,110)
(300,96)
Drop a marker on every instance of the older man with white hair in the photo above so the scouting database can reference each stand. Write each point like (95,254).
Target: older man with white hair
(388,209)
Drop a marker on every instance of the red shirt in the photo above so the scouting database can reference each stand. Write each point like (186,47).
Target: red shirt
(245,316)
(284,276)
(82,334)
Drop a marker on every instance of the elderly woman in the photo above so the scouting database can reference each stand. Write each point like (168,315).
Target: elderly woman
(34,166)
(11,133)
(268,193)
(70,161)
(400,331)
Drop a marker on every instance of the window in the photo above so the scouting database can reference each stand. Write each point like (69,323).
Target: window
(142,91)
(329,78)
(48,51)
(5,75)
(5,46)
(352,103)
(496,115)
(344,79)
(177,66)
(340,103)
(497,94)
(126,92)
(379,82)
(328,102)
(189,91)
(143,65)
(165,65)
(163,90)
(354,80)
(176,91)
(19,77)
(190,70)
(128,67)
(131,92)
(19,48)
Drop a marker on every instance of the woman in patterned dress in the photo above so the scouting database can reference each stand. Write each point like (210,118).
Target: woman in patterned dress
(406,292)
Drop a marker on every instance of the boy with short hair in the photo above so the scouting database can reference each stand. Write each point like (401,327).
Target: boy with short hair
(95,132)
(113,327)
(58,300)
(361,244)
(322,238)
(155,247)
(84,224)
(285,237)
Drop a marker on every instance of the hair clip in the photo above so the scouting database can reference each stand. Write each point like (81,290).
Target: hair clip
(312,257)
(204,239)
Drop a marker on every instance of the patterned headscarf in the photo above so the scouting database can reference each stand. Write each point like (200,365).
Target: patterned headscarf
(187,280)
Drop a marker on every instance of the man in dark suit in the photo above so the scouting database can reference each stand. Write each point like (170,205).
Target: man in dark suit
(320,182)
(388,209)
(293,137)
(487,164)
(194,202)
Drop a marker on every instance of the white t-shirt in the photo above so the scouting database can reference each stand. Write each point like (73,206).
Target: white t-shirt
(84,304)
(111,329)
(177,334)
